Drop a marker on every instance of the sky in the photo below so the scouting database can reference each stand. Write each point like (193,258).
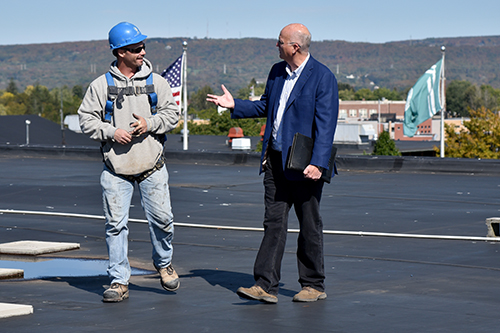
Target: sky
(55,21)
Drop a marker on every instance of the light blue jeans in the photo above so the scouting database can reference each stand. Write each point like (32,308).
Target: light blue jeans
(155,199)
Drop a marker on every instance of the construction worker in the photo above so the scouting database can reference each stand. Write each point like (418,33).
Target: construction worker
(129,110)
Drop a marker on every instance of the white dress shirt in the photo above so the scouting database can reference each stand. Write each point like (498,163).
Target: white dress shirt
(290,81)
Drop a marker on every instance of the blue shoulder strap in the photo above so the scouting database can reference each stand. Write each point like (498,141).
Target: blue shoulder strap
(153,97)
(113,92)
(153,101)
(108,110)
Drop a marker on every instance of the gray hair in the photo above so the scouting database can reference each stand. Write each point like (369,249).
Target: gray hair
(303,38)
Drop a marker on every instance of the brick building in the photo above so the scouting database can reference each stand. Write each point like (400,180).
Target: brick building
(390,116)
(370,110)
(425,131)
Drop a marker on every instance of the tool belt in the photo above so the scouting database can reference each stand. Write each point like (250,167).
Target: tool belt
(139,178)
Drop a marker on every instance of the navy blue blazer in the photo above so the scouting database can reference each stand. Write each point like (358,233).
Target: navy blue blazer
(312,110)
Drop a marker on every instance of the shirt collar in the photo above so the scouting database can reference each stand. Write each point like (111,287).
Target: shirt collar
(299,70)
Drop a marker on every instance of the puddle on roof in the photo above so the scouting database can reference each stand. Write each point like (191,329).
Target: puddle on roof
(38,268)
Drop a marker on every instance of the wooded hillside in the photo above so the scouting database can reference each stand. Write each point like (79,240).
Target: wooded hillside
(235,62)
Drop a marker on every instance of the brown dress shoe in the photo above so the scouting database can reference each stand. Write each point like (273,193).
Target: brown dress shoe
(256,293)
(308,294)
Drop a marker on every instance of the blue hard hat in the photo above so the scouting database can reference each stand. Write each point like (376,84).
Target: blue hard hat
(124,34)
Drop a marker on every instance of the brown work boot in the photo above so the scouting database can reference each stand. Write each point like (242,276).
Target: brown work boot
(169,278)
(256,293)
(308,294)
(116,293)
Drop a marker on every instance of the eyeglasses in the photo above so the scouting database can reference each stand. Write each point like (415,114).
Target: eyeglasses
(280,42)
(137,49)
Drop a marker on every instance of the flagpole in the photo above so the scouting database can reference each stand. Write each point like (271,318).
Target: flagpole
(184,94)
(443,99)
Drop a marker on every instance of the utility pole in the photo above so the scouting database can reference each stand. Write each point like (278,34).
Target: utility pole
(62,121)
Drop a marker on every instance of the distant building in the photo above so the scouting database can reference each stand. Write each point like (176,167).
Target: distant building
(355,133)
(429,130)
(371,110)
(457,123)
(388,116)
(367,118)
(424,132)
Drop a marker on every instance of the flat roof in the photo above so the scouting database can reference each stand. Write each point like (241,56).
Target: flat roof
(377,280)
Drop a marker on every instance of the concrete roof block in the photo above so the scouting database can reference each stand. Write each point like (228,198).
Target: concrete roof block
(36,247)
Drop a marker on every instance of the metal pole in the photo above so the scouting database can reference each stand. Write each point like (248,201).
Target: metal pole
(184,93)
(62,121)
(378,121)
(443,100)
(28,132)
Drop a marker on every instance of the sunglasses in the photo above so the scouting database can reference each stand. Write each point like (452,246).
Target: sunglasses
(137,49)
(291,43)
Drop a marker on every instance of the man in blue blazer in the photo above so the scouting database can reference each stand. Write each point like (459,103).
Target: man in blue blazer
(301,96)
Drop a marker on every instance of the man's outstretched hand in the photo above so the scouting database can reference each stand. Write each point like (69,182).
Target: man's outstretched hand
(225,101)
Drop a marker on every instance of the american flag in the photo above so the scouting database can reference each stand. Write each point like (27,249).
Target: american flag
(173,75)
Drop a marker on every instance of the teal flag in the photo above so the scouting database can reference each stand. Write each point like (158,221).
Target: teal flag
(424,99)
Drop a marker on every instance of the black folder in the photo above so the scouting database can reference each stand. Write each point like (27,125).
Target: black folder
(301,153)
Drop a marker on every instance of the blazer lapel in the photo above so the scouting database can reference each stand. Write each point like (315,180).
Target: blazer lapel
(301,81)
(280,82)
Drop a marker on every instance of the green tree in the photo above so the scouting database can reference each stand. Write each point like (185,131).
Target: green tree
(392,95)
(385,145)
(344,86)
(78,91)
(471,97)
(258,90)
(489,97)
(3,110)
(6,101)
(70,103)
(480,139)
(462,96)
(456,98)
(346,92)
(219,124)
(198,100)
(364,94)
(38,99)
(12,87)
(13,104)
